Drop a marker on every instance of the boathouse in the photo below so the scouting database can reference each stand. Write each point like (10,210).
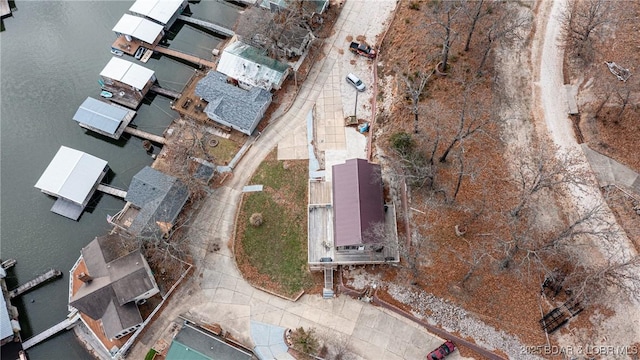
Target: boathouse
(155,200)
(230,105)
(128,82)
(106,119)
(163,12)
(137,28)
(108,284)
(251,68)
(72,177)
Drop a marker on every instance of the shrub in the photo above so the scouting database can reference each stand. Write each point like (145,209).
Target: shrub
(256,219)
(402,142)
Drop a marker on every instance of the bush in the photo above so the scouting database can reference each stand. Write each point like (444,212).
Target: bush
(402,142)
(305,341)
(256,219)
(414,5)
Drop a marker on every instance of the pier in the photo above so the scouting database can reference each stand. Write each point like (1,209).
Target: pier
(145,135)
(65,324)
(49,275)
(218,29)
(166,92)
(184,56)
(107,189)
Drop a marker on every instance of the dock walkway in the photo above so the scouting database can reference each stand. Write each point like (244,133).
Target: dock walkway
(166,92)
(49,275)
(107,189)
(65,324)
(145,135)
(184,56)
(219,29)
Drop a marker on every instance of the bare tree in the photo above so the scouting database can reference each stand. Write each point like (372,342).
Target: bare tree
(579,21)
(547,168)
(416,84)
(506,27)
(446,12)
(474,13)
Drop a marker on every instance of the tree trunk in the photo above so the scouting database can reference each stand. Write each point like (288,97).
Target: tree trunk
(443,158)
(446,44)
(473,26)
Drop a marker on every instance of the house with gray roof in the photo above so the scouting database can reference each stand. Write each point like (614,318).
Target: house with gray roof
(114,282)
(230,105)
(250,67)
(158,199)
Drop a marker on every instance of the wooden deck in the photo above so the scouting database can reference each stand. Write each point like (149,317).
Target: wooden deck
(112,191)
(218,29)
(65,324)
(165,92)
(184,56)
(320,192)
(145,135)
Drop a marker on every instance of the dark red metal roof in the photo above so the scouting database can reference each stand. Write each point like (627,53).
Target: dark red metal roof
(357,201)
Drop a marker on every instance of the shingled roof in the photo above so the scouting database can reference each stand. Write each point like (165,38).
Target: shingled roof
(160,198)
(230,105)
(117,280)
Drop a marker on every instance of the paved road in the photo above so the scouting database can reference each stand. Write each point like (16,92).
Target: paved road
(217,293)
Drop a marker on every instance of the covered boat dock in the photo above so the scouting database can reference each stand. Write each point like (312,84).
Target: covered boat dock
(128,82)
(72,177)
(106,119)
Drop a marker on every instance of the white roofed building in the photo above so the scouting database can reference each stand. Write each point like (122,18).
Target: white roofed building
(72,177)
(134,27)
(251,68)
(128,82)
(164,12)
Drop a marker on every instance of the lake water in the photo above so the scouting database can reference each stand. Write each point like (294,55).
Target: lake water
(51,53)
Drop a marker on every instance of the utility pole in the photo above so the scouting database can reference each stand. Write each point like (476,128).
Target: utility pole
(355,110)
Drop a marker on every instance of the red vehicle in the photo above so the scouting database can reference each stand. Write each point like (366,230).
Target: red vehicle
(362,49)
(442,351)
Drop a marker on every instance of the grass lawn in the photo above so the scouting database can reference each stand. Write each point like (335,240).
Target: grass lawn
(274,255)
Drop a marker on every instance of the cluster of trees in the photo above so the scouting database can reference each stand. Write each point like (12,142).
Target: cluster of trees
(434,157)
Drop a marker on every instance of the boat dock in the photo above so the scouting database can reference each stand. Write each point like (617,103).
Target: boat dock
(166,92)
(218,29)
(146,56)
(108,189)
(184,56)
(145,135)
(65,324)
(9,263)
(49,275)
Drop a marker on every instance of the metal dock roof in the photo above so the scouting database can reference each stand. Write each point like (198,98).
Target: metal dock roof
(159,10)
(127,72)
(139,28)
(249,65)
(72,175)
(101,116)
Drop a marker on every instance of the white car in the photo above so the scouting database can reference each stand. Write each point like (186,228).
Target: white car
(356,82)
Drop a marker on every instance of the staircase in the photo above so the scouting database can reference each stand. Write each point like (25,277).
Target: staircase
(327,292)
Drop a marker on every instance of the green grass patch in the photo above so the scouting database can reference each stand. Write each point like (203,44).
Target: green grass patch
(150,355)
(224,151)
(274,254)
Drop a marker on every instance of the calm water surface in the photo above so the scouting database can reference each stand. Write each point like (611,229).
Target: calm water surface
(51,53)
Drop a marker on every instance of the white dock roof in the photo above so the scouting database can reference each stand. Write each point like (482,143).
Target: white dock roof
(159,10)
(71,174)
(127,72)
(139,28)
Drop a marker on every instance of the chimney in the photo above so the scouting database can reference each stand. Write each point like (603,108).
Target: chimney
(84,277)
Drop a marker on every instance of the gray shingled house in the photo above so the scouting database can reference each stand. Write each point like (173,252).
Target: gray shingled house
(115,281)
(230,105)
(159,198)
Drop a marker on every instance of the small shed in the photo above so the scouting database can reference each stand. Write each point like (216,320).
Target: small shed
(164,12)
(103,118)
(230,105)
(139,28)
(72,177)
(251,68)
(358,203)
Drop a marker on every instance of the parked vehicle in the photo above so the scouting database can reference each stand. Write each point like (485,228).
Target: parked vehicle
(356,82)
(117,52)
(362,49)
(139,53)
(442,351)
